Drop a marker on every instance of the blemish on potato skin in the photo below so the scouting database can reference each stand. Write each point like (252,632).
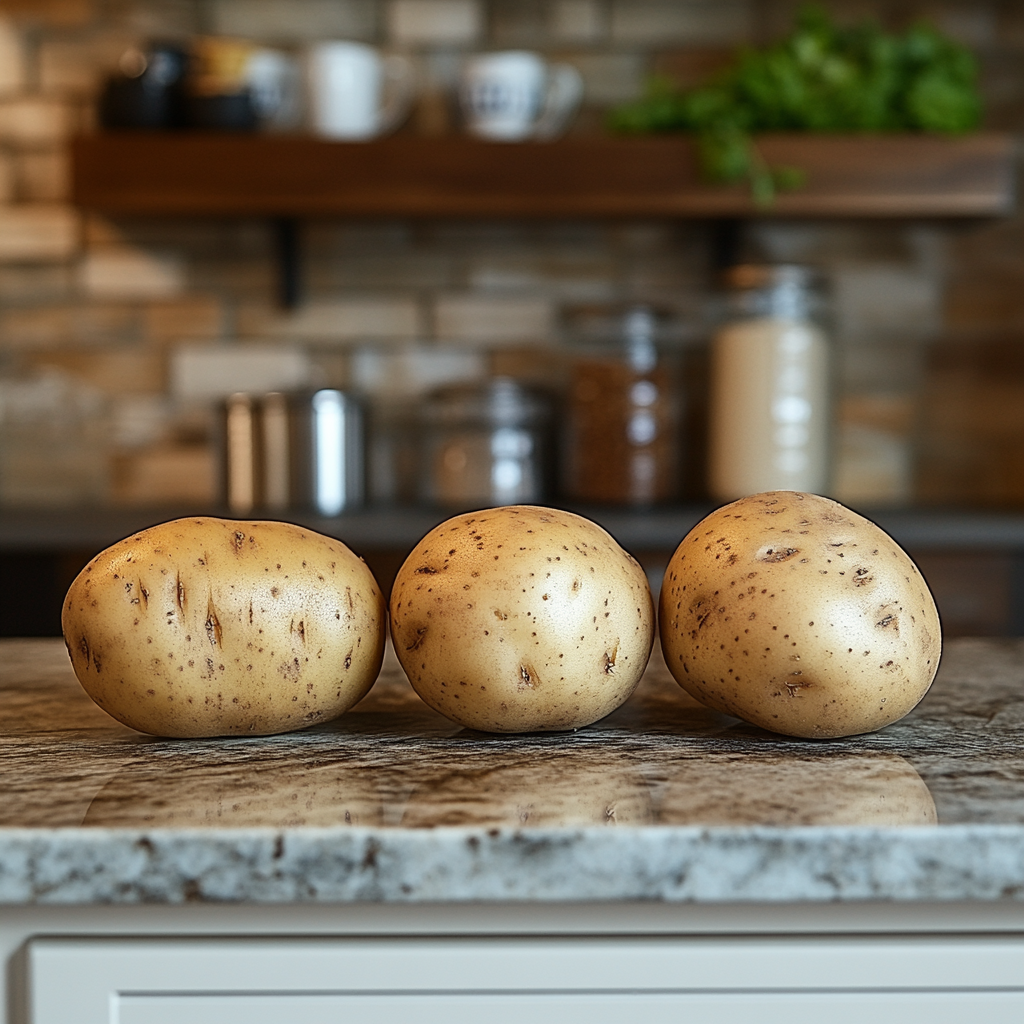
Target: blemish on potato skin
(214,632)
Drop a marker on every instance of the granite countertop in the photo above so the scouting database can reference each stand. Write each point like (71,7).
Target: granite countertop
(663,800)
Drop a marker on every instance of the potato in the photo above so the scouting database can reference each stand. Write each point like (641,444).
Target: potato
(796,614)
(522,619)
(211,627)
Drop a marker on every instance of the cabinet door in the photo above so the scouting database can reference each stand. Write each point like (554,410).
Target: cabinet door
(740,980)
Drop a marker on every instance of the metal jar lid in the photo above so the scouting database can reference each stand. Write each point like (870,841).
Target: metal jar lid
(500,401)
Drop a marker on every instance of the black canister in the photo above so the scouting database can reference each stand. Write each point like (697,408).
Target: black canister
(147,94)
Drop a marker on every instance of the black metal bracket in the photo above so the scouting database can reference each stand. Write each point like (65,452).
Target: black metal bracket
(726,243)
(288,257)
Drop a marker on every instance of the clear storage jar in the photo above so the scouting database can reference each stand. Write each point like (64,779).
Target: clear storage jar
(770,390)
(485,445)
(622,425)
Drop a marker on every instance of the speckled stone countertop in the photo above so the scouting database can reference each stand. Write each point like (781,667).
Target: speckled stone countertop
(663,800)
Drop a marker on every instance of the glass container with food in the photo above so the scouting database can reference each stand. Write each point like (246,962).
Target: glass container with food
(622,429)
(770,401)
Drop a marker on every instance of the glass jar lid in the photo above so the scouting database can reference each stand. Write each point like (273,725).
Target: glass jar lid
(500,401)
(785,290)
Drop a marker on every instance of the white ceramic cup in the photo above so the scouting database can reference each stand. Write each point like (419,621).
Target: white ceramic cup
(517,95)
(275,82)
(355,92)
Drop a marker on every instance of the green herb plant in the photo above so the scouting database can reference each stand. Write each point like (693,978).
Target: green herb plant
(821,78)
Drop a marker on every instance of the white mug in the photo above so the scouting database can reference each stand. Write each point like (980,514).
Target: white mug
(355,92)
(275,83)
(517,95)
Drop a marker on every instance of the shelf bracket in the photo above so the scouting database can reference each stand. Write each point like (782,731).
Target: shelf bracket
(287,257)
(726,243)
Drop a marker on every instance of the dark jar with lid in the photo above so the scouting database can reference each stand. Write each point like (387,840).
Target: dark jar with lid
(622,426)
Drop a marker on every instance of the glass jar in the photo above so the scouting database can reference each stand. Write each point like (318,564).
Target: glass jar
(770,395)
(485,445)
(622,444)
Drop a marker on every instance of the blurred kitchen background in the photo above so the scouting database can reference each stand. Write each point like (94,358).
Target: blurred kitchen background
(120,337)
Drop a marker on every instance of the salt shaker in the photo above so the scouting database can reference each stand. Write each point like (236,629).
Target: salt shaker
(770,400)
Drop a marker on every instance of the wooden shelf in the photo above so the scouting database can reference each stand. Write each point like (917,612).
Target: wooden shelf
(247,175)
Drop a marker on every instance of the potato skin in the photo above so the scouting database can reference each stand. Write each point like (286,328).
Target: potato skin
(794,613)
(214,627)
(522,619)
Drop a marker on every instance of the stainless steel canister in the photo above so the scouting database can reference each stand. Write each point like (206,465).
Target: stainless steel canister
(293,451)
(485,444)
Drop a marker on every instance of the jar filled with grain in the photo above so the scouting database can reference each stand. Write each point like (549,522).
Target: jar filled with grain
(770,396)
(622,422)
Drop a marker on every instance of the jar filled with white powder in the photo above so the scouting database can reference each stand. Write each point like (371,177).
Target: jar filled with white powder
(770,400)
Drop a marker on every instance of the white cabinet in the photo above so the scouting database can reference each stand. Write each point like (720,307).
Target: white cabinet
(572,980)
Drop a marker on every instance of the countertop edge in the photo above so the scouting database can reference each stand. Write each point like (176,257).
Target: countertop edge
(817,864)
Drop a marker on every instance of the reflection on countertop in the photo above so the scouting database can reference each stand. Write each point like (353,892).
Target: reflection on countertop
(393,776)
(524,791)
(662,759)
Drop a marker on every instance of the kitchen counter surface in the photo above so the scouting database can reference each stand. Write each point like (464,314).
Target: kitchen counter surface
(662,801)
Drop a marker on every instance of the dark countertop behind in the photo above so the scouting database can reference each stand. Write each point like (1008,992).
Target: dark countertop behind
(401,527)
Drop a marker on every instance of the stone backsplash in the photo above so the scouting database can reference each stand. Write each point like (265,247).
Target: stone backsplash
(99,318)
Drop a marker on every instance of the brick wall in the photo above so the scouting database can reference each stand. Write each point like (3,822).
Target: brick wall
(95,314)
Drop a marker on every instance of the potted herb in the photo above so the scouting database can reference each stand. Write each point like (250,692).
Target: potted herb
(821,78)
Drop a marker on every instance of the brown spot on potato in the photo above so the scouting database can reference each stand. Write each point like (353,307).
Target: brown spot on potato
(609,660)
(214,633)
(421,635)
(776,553)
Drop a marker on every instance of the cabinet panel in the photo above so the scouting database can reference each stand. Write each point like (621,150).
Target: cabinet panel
(582,1008)
(940,980)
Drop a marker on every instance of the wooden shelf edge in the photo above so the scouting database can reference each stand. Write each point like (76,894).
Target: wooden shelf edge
(238,175)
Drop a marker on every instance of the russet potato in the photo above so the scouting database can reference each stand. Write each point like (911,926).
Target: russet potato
(792,612)
(213,627)
(522,619)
